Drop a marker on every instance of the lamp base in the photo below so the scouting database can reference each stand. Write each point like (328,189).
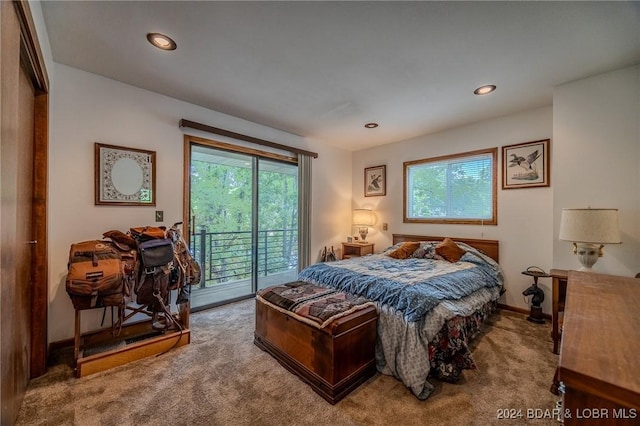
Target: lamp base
(363,234)
(588,255)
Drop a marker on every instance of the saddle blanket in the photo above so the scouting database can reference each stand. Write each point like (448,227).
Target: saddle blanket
(311,304)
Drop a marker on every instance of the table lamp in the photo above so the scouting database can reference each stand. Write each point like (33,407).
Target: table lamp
(589,229)
(363,219)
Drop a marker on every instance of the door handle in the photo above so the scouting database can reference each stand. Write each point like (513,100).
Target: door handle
(33,242)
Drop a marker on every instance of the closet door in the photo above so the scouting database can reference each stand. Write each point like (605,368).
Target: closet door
(23,158)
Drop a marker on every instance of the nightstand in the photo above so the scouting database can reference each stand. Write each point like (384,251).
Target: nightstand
(356,249)
(560,277)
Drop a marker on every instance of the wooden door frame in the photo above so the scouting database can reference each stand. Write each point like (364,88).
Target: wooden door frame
(33,63)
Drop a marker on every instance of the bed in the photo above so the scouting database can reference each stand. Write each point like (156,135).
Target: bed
(429,307)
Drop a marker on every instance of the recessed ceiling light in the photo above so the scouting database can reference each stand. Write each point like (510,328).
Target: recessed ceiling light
(484,90)
(161,41)
(371,125)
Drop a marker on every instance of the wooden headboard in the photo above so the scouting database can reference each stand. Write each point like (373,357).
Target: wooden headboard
(489,247)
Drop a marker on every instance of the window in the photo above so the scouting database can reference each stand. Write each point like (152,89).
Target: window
(457,188)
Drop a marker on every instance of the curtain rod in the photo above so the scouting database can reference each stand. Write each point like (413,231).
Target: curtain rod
(240,136)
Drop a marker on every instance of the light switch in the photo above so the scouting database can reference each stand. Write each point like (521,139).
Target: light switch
(385,226)
(159,215)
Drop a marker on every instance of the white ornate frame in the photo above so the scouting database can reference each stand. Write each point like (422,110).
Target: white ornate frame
(106,193)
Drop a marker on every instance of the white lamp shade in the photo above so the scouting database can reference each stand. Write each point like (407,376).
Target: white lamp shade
(590,226)
(363,217)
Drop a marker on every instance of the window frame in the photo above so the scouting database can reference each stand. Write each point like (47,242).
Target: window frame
(466,221)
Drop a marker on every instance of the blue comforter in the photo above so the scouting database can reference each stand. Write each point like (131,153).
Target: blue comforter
(411,286)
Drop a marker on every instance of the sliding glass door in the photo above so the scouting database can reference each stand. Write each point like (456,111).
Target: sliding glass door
(277,212)
(243,223)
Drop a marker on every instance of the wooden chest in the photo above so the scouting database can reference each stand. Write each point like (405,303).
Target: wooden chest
(333,360)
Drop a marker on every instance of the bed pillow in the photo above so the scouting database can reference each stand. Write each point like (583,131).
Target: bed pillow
(405,250)
(390,249)
(449,250)
(421,251)
(427,250)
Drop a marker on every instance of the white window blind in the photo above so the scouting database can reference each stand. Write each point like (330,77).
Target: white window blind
(454,189)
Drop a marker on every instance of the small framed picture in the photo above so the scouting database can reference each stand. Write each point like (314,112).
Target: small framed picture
(124,176)
(349,239)
(525,165)
(375,181)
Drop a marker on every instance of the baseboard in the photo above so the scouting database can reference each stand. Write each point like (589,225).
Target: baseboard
(60,344)
(520,310)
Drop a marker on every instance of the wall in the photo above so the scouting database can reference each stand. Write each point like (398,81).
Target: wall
(595,122)
(525,216)
(596,128)
(86,108)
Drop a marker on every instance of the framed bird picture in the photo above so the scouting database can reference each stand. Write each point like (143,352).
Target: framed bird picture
(375,181)
(526,165)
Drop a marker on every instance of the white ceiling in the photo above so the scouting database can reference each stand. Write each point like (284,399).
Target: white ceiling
(323,69)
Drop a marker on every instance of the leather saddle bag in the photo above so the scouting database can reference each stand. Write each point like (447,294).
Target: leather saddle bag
(95,275)
(155,253)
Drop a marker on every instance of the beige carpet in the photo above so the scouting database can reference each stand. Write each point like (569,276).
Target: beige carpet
(222,378)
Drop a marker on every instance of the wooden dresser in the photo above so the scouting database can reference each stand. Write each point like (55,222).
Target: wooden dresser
(600,351)
(559,294)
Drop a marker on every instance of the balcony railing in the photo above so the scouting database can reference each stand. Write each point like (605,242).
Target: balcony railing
(227,256)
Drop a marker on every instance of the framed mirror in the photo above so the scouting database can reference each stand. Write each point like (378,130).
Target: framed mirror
(124,176)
